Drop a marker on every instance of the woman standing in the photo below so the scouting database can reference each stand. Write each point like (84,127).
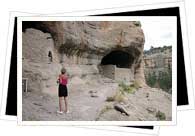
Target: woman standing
(63,91)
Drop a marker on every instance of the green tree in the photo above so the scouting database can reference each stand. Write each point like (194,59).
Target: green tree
(151,79)
(165,80)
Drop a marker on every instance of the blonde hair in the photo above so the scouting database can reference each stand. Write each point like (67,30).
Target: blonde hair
(63,71)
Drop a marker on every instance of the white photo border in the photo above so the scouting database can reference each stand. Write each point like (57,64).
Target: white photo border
(7,65)
(154,131)
(187,59)
(114,10)
(90,12)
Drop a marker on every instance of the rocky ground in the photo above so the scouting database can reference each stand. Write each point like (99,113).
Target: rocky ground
(145,104)
(90,101)
(84,101)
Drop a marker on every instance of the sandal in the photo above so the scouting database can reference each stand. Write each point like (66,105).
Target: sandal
(60,112)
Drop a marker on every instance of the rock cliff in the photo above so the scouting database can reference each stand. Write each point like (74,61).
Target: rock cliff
(158,67)
(84,43)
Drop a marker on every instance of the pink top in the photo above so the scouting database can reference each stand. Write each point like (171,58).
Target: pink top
(63,79)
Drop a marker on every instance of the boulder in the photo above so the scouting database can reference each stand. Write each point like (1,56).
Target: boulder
(121,109)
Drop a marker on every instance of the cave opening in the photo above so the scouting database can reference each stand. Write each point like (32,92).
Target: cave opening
(34,24)
(119,58)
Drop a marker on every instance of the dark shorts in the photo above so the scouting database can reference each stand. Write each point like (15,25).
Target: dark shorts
(62,91)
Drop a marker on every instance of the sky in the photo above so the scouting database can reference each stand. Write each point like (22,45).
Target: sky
(159,32)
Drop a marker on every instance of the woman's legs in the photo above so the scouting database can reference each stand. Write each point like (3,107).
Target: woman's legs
(66,104)
(60,103)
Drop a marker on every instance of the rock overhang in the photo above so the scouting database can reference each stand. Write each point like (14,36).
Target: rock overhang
(95,40)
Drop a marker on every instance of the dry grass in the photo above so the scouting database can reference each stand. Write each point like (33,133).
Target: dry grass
(126,88)
(118,97)
(104,110)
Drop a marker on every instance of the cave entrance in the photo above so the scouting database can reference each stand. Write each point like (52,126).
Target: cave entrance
(117,65)
(119,58)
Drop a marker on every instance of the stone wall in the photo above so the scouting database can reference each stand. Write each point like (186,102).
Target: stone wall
(108,71)
(118,74)
(124,75)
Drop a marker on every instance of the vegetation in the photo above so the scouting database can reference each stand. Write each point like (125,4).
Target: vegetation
(153,49)
(160,115)
(110,99)
(104,110)
(163,80)
(118,97)
(123,88)
(135,85)
(151,79)
(128,88)
(137,23)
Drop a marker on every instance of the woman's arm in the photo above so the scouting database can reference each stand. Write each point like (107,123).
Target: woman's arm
(58,81)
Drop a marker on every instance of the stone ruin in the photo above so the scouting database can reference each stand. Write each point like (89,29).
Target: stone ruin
(112,49)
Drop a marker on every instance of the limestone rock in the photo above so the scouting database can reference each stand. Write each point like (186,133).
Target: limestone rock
(83,43)
(121,109)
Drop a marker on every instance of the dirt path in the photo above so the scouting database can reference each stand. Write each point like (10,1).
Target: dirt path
(82,106)
(87,102)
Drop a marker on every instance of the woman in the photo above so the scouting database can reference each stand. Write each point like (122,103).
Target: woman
(63,91)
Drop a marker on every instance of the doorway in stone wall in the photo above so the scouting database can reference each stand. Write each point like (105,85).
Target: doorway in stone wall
(119,58)
(117,65)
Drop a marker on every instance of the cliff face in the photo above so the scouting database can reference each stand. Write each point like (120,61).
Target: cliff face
(85,43)
(158,67)
(158,60)
(98,37)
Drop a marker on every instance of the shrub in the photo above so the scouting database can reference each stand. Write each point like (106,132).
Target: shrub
(163,81)
(105,109)
(118,97)
(151,79)
(126,88)
(137,23)
(110,99)
(160,115)
(135,85)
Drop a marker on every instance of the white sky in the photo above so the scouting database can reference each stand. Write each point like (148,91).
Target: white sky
(159,32)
